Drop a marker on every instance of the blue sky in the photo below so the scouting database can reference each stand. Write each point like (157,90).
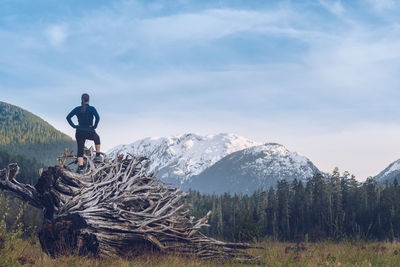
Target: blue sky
(320,77)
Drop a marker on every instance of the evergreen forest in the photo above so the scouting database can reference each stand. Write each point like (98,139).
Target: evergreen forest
(23,133)
(28,167)
(336,207)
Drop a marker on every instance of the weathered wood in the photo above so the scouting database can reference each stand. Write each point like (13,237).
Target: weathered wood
(116,208)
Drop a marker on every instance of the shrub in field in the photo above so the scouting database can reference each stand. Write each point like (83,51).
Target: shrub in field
(9,235)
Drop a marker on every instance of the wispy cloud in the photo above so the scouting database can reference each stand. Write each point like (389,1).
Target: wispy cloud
(334,7)
(56,34)
(382,5)
(133,33)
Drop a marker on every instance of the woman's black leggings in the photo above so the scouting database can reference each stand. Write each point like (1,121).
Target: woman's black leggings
(82,136)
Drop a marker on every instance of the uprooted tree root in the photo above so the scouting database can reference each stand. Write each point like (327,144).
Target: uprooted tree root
(116,208)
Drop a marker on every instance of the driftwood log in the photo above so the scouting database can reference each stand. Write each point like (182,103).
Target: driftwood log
(116,208)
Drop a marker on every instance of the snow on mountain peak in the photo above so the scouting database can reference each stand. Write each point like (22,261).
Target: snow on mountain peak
(389,173)
(253,168)
(278,159)
(395,166)
(185,155)
(270,148)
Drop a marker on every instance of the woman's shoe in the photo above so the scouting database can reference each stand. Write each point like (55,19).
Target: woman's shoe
(98,158)
(80,170)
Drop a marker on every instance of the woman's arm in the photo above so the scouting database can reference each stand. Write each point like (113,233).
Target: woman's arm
(69,116)
(97,118)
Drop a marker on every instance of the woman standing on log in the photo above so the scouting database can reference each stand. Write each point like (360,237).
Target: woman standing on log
(85,130)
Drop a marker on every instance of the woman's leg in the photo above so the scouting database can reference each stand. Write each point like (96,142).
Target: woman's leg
(80,140)
(96,139)
(80,161)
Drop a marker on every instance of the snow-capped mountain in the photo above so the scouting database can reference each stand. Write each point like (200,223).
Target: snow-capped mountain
(250,169)
(178,158)
(390,173)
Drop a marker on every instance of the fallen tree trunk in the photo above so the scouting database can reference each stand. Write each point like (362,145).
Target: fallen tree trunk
(116,209)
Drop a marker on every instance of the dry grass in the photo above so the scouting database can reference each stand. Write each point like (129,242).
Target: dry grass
(18,252)
(332,254)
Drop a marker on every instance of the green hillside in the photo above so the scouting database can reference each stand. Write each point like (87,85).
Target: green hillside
(28,168)
(23,133)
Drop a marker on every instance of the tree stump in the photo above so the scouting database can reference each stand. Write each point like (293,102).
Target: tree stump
(116,208)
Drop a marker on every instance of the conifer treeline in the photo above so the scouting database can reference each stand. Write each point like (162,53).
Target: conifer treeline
(18,126)
(23,133)
(29,168)
(336,207)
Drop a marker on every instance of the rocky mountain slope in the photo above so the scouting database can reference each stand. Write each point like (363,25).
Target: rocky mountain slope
(219,163)
(253,168)
(178,158)
(389,173)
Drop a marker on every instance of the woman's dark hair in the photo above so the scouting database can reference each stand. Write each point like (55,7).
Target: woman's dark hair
(85,100)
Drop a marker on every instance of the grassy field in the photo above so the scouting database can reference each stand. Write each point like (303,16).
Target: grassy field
(15,251)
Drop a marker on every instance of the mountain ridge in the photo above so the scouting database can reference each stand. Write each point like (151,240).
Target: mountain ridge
(177,158)
(254,168)
(26,134)
(391,172)
(184,158)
